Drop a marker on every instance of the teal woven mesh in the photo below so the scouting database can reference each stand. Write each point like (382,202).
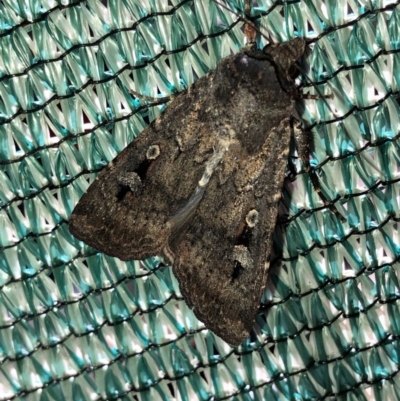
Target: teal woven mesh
(78,325)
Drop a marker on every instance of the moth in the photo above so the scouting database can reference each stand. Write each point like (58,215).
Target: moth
(201,187)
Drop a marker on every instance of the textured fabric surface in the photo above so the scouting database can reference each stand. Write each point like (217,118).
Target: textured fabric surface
(78,325)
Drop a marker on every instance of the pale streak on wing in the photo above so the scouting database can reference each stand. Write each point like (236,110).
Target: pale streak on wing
(182,216)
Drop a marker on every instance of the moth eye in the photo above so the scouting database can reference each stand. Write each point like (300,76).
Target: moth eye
(252,218)
(153,152)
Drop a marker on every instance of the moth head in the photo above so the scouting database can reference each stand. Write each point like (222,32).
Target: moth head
(285,56)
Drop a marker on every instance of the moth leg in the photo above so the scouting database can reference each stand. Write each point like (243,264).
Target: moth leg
(304,141)
(309,96)
(150,98)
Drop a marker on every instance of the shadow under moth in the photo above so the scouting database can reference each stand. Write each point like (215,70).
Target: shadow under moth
(201,186)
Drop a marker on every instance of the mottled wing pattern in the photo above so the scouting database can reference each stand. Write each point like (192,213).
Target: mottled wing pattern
(124,212)
(201,187)
(222,257)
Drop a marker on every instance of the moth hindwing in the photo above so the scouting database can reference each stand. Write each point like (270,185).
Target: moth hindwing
(201,187)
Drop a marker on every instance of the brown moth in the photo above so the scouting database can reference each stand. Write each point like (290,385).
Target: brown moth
(201,186)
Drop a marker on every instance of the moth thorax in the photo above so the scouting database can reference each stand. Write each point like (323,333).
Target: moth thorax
(252,218)
(153,152)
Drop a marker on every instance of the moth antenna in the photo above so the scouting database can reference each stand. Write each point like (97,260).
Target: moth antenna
(312,172)
(304,152)
(304,149)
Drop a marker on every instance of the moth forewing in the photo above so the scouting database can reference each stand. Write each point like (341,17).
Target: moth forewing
(201,187)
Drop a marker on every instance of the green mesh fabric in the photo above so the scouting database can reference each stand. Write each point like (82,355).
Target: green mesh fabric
(78,325)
